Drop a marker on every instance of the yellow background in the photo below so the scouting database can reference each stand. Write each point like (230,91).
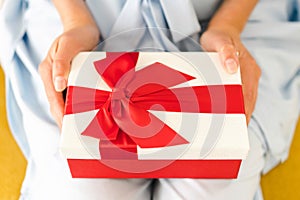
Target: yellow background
(12,162)
(281,184)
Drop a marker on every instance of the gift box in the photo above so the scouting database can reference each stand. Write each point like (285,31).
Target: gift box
(153,115)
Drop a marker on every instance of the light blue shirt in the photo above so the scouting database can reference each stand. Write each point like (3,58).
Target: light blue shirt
(272,35)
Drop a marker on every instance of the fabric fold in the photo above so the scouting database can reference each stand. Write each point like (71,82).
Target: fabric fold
(13,27)
(152,26)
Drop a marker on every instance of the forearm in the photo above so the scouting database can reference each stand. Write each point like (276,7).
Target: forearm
(74,13)
(232,15)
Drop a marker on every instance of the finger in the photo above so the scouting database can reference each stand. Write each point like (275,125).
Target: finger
(62,59)
(55,98)
(250,73)
(229,57)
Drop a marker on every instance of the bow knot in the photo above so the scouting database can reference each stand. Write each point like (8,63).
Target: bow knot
(119,94)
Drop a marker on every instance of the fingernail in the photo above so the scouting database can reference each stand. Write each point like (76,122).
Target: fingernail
(231,65)
(60,83)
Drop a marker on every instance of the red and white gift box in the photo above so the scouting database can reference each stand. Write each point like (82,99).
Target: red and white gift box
(153,115)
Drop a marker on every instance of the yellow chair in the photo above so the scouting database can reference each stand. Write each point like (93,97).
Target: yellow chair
(281,183)
(12,162)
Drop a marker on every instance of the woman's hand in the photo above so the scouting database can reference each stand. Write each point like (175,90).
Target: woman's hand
(234,54)
(55,68)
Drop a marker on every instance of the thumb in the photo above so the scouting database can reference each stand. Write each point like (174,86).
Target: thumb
(62,59)
(61,70)
(229,57)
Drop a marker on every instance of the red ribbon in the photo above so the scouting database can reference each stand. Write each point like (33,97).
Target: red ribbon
(123,120)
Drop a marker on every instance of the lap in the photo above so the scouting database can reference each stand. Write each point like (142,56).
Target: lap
(53,181)
(53,173)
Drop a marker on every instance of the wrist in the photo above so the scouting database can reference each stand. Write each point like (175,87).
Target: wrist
(89,32)
(232,16)
(227,29)
(78,23)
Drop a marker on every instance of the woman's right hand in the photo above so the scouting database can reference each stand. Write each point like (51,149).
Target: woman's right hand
(55,68)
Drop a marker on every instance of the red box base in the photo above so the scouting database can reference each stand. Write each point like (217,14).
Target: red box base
(224,169)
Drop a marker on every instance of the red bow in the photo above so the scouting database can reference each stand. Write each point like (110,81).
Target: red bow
(123,120)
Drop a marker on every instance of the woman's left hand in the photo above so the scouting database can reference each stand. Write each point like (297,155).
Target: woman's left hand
(233,54)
